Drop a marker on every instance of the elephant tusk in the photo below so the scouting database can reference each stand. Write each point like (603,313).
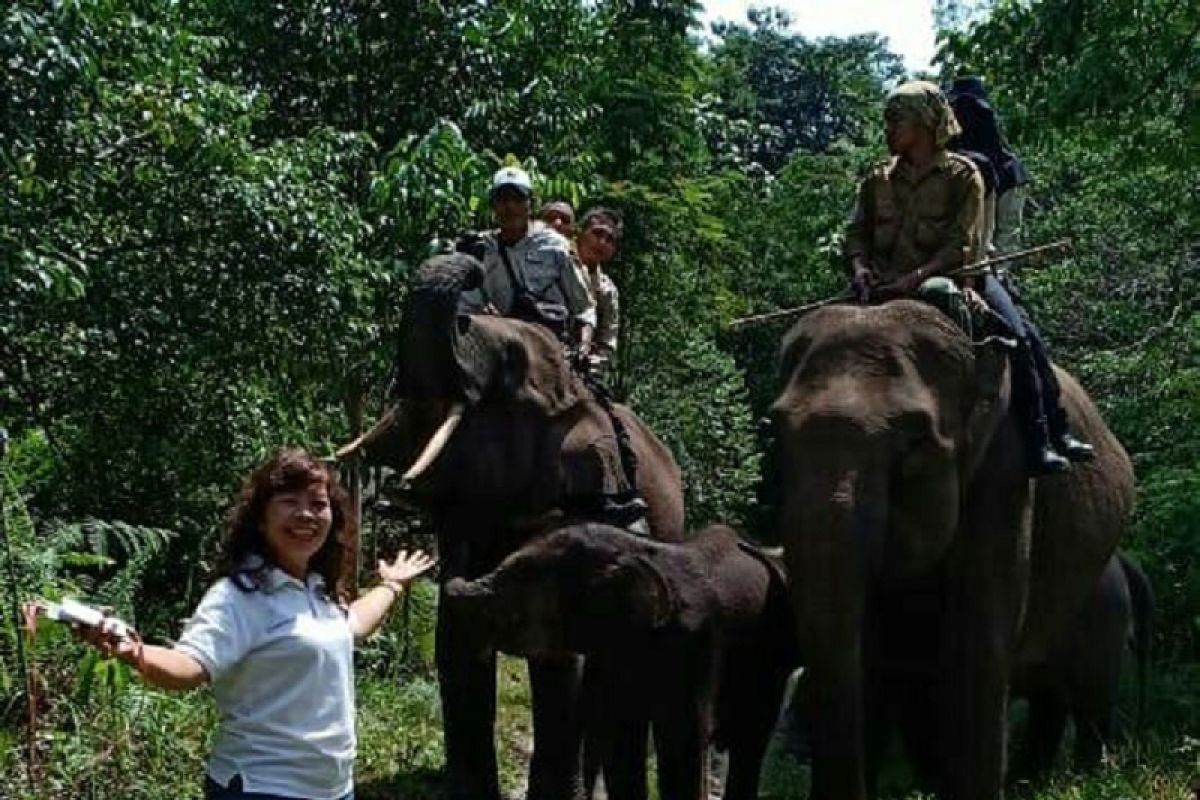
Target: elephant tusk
(347,451)
(436,443)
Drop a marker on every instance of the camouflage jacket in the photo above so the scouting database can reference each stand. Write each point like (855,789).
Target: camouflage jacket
(608,319)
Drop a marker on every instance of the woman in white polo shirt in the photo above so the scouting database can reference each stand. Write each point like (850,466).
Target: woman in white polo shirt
(275,638)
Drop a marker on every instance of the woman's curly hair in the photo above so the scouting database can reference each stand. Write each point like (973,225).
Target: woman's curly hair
(289,470)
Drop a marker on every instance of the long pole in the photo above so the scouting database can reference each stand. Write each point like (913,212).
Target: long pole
(986,264)
(788,313)
(965,271)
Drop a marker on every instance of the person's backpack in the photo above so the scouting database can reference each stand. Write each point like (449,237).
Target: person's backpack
(987,170)
(981,134)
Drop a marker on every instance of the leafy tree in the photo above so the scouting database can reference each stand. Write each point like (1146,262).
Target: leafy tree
(170,286)
(779,93)
(1099,99)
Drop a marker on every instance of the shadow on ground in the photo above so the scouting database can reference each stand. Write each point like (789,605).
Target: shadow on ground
(421,784)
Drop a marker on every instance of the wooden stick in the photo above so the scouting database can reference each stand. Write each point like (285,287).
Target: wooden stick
(788,313)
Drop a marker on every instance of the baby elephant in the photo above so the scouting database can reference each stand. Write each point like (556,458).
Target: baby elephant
(694,641)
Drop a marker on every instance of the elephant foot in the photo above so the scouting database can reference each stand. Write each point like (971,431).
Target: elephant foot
(459,789)
(556,790)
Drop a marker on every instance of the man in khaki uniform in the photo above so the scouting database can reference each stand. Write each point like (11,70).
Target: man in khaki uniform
(917,217)
(917,213)
(600,234)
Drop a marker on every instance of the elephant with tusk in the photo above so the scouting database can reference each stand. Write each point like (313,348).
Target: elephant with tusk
(497,440)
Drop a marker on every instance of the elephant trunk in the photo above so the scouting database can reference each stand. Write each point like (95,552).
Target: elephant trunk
(473,601)
(835,526)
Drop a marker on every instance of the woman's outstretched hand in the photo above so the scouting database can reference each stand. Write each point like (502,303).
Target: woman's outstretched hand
(108,641)
(404,568)
(367,612)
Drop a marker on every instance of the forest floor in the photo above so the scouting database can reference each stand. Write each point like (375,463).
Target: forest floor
(402,764)
(141,744)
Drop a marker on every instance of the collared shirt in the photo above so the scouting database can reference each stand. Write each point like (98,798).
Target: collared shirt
(280,659)
(542,260)
(906,218)
(608,318)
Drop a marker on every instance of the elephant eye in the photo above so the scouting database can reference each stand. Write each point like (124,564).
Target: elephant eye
(913,429)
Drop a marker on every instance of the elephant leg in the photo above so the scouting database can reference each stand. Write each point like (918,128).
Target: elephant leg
(683,724)
(1094,710)
(919,734)
(1043,735)
(877,734)
(748,741)
(681,744)
(616,727)
(624,760)
(554,772)
(467,682)
(1091,735)
(988,595)
(746,752)
(879,690)
(976,711)
(595,723)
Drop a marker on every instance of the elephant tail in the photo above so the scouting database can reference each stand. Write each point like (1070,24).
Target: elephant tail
(1142,597)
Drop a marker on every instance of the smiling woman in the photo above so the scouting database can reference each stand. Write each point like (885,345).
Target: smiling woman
(275,637)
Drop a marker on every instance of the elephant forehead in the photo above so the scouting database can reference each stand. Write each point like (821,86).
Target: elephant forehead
(526,354)
(849,403)
(906,323)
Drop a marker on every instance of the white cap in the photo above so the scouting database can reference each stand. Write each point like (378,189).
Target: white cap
(512,176)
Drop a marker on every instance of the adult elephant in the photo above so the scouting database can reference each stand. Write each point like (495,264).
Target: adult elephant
(1081,679)
(501,441)
(924,562)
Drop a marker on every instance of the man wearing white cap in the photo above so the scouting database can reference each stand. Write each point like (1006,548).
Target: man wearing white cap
(528,270)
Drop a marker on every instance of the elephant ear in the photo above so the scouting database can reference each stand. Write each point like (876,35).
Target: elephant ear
(517,361)
(986,403)
(633,593)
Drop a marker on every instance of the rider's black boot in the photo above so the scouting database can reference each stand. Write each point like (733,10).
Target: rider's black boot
(1075,450)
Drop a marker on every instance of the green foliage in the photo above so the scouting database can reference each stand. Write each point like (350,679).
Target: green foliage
(103,562)
(208,214)
(403,648)
(1100,100)
(1054,60)
(774,93)
(688,391)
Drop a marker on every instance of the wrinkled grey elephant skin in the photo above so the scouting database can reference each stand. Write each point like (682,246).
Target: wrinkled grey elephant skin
(530,449)
(696,639)
(924,563)
(1081,679)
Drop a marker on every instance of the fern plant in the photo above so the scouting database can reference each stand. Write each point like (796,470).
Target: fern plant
(102,561)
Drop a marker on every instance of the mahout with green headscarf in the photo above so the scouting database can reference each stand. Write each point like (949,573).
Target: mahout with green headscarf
(919,216)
